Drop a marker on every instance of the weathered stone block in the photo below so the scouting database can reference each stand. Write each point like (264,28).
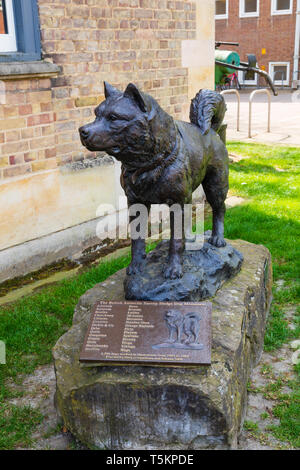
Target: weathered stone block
(146,407)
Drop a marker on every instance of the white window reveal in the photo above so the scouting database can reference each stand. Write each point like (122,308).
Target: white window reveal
(243,81)
(280,72)
(221,9)
(281,7)
(249,8)
(8,41)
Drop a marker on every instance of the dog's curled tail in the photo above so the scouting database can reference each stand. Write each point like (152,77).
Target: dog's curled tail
(207,110)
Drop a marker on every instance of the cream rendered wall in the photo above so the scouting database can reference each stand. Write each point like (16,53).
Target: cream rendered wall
(199,55)
(53,200)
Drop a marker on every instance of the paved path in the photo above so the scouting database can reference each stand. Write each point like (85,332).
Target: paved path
(285,118)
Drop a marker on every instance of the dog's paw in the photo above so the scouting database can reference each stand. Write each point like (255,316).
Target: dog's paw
(217,241)
(135,268)
(173,271)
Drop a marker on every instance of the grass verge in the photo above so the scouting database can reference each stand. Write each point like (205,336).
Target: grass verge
(269,178)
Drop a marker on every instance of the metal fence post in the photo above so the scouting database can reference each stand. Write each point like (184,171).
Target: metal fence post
(264,90)
(226,92)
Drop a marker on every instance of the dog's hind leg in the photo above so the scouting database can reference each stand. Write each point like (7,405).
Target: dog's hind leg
(215,185)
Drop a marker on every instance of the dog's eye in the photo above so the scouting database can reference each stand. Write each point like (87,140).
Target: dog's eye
(112,117)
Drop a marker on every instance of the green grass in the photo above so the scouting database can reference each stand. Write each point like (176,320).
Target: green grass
(251,426)
(17,425)
(286,409)
(31,326)
(288,413)
(271,217)
(269,179)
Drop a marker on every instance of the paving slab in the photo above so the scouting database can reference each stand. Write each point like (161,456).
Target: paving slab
(285,118)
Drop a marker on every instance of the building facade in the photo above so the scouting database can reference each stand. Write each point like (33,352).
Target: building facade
(54,57)
(270,29)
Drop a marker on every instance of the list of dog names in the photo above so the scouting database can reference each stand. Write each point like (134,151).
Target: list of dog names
(135,323)
(140,332)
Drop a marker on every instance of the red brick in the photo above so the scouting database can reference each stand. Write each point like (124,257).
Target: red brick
(275,33)
(16,159)
(25,109)
(49,153)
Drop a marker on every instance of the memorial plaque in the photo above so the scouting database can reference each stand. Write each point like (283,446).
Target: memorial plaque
(154,333)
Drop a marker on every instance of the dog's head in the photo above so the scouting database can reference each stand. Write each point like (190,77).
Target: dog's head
(126,125)
(173,317)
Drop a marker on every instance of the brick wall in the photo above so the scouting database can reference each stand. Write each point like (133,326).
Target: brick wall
(92,40)
(27,132)
(275,33)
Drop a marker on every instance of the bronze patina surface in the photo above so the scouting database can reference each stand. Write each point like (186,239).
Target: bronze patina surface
(149,332)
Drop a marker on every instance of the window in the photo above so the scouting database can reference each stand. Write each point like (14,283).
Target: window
(249,8)
(19,31)
(243,81)
(7,27)
(221,9)
(281,7)
(280,72)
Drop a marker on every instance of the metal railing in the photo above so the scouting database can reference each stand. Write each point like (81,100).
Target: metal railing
(226,92)
(264,90)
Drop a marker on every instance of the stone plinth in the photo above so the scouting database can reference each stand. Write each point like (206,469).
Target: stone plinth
(146,407)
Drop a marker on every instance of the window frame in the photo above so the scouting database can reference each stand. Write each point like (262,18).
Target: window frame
(28,35)
(8,42)
(247,82)
(274,11)
(223,16)
(271,73)
(252,14)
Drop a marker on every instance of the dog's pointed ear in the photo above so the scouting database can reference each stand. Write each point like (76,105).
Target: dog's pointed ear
(109,90)
(134,94)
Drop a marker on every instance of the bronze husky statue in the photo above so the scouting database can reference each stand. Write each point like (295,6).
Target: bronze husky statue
(163,160)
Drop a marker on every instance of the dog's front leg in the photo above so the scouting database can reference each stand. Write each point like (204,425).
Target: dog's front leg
(138,226)
(138,256)
(174,268)
(172,335)
(179,333)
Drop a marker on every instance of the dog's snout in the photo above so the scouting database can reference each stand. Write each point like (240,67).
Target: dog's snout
(84,132)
